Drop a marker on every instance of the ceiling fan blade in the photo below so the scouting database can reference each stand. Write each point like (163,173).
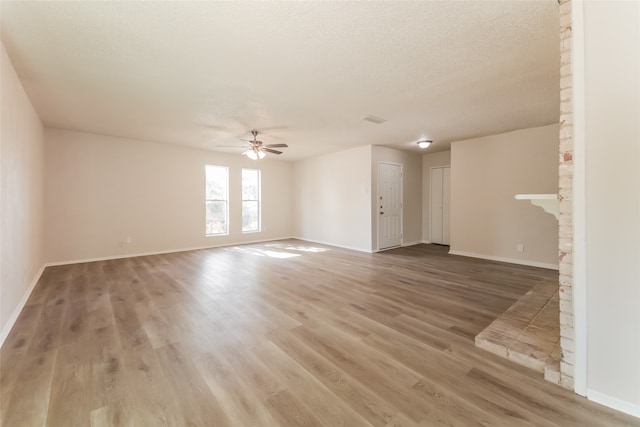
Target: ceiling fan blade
(269,150)
(277,146)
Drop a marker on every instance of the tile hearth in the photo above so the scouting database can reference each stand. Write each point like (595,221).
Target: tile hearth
(528,333)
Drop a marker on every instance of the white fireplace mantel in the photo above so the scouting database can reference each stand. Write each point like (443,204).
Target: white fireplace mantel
(548,202)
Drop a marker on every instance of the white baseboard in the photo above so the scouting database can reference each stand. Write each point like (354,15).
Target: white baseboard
(632,409)
(353,248)
(417,242)
(508,260)
(426,242)
(16,312)
(168,251)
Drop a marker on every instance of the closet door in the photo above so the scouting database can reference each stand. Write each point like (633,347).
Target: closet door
(437,178)
(446,177)
(440,178)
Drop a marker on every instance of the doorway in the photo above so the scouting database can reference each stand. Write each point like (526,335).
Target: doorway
(439,205)
(389,205)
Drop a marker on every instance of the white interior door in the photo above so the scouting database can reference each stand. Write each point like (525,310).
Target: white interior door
(389,205)
(436,205)
(440,178)
(446,177)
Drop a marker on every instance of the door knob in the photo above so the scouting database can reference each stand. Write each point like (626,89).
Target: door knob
(381,213)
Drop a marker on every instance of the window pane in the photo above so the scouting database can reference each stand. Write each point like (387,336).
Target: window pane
(217,209)
(250,217)
(216,182)
(216,217)
(250,186)
(250,200)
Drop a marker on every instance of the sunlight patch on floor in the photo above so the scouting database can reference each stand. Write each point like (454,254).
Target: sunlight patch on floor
(297,247)
(263,252)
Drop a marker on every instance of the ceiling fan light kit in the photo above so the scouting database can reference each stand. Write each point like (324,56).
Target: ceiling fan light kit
(255,154)
(257,149)
(424,143)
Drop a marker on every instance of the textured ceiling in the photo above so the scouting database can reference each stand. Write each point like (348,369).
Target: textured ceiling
(304,73)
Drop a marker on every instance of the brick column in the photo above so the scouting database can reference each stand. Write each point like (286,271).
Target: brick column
(565,231)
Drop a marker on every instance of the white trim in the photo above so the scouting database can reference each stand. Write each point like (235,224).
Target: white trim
(378,202)
(352,248)
(504,259)
(417,242)
(169,251)
(16,313)
(426,242)
(579,289)
(632,409)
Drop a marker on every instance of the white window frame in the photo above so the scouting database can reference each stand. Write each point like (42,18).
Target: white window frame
(259,201)
(226,201)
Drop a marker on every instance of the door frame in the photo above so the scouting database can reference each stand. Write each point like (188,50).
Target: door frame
(430,195)
(377,209)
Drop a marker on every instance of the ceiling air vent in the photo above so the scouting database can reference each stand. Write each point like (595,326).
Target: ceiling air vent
(374,119)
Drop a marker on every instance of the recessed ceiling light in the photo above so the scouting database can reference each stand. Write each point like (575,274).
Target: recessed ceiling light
(424,143)
(374,119)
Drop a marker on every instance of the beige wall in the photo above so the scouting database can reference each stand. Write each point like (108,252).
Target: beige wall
(21,197)
(486,174)
(612,140)
(335,197)
(442,158)
(332,198)
(101,189)
(411,193)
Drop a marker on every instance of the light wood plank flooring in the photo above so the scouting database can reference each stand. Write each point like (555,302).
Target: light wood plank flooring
(286,333)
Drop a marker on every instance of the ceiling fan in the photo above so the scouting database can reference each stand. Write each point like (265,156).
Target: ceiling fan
(257,149)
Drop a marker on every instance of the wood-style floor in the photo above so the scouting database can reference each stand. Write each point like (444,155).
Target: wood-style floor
(281,334)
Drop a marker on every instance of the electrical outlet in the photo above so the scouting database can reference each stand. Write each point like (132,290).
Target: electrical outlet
(129,240)
(520,247)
